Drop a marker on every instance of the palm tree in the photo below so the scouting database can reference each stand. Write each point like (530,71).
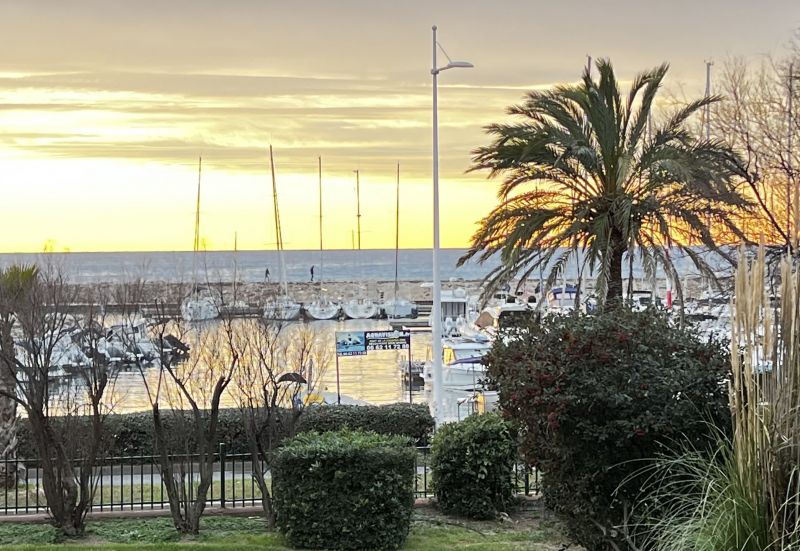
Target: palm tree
(584,171)
(16,282)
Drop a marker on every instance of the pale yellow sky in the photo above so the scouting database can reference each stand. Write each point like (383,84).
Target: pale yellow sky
(105,106)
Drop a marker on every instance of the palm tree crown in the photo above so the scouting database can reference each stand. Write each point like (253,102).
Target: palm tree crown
(585,171)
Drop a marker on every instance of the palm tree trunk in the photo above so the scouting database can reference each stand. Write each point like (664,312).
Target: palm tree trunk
(614,287)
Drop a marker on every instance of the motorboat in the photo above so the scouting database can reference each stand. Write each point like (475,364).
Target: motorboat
(129,342)
(504,314)
(463,375)
(561,299)
(399,308)
(60,352)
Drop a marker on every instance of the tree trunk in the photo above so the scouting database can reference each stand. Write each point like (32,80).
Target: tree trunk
(614,287)
(8,410)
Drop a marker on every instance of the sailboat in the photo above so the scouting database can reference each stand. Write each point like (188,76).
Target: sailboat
(281,307)
(321,308)
(359,307)
(201,304)
(398,307)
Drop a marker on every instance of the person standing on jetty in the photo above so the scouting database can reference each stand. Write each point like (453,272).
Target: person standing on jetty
(266,275)
(312,274)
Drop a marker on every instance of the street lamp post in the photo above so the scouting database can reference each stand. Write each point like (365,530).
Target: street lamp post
(436,310)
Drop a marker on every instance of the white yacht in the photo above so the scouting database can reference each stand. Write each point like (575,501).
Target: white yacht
(399,308)
(561,299)
(322,308)
(463,375)
(202,304)
(64,354)
(360,308)
(281,307)
(128,342)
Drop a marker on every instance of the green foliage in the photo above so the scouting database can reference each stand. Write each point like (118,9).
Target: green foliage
(584,177)
(344,490)
(12,533)
(131,434)
(413,421)
(694,500)
(597,397)
(429,532)
(473,463)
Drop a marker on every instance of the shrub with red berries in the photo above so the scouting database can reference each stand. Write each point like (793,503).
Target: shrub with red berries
(598,396)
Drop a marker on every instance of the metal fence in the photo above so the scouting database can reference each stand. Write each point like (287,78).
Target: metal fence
(133,483)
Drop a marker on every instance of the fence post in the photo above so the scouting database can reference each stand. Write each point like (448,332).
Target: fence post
(527,481)
(222,474)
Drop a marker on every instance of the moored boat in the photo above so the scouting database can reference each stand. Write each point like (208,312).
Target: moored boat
(360,308)
(322,308)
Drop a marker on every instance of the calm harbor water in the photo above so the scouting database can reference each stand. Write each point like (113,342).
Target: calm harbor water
(338,265)
(376,378)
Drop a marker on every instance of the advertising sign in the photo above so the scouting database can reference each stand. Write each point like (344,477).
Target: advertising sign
(388,340)
(351,343)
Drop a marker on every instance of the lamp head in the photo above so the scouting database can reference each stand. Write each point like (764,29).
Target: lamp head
(459,65)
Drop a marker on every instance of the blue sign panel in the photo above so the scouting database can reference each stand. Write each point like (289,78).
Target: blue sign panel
(351,343)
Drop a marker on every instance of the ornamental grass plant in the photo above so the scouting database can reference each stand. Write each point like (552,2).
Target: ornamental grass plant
(746,495)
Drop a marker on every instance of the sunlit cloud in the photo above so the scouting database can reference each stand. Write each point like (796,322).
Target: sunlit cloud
(105,109)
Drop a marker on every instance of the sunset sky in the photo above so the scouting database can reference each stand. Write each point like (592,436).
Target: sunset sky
(106,105)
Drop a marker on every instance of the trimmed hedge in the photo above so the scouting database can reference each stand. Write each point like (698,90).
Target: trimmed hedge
(132,433)
(411,420)
(344,490)
(472,465)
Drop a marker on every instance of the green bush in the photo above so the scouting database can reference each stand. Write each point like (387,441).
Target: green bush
(344,490)
(597,398)
(472,463)
(131,434)
(413,421)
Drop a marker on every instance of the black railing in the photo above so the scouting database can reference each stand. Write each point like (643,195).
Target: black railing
(128,483)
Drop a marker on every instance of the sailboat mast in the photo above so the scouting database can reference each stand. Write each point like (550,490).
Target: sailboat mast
(278,236)
(708,94)
(358,208)
(196,244)
(321,253)
(397,235)
(235,263)
(708,134)
(794,203)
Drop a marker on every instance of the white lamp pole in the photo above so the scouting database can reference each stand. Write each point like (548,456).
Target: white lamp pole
(436,310)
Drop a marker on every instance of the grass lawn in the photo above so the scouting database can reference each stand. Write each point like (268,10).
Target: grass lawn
(430,531)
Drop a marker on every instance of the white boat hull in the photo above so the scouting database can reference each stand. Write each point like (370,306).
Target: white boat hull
(199,309)
(360,309)
(400,308)
(323,310)
(282,310)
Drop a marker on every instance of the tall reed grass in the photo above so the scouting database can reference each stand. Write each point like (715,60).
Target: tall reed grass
(743,496)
